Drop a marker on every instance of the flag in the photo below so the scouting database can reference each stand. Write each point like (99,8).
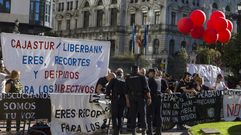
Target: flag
(145,36)
(133,38)
(139,38)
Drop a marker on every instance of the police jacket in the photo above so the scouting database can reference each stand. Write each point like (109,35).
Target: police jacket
(117,88)
(137,85)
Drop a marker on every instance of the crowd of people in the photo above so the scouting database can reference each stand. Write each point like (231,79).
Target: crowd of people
(140,93)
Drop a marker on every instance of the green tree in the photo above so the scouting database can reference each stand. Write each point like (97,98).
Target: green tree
(231,55)
(177,64)
(206,55)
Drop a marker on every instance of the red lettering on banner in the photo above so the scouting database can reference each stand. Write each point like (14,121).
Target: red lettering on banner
(62,88)
(61,74)
(233,109)
(27,44)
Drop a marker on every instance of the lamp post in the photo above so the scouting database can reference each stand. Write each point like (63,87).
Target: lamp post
(239,18)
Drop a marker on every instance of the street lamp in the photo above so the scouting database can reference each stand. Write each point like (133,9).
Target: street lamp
(239,18)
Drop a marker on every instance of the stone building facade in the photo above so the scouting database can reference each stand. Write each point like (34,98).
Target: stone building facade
(113,20)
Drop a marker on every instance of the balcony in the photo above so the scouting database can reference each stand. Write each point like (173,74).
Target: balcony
(171,28)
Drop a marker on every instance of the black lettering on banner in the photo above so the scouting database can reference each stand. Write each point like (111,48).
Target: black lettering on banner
(92,127)
(83,113)
(70,128)
(65,113)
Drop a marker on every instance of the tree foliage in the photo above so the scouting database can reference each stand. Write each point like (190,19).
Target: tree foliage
(207,55)
(177,64)
(231,56)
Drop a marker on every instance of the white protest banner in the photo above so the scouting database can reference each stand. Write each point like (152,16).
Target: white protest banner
(76,114)
(49,64)
(209,72)
(232,104)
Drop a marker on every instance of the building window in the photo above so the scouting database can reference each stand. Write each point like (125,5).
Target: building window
(36,15)
(130,46)
(133,19)
(215,6)
(112,47)
(47,11)
(131,1)
(76,23)
(86,19)
(114,2)
(5,6)
(59,25)
(144,18)
(67,24)
(113,20)
(69,5)
(100,15)
(183,44)
(100,3)
(171,47)
(183,1)
(62,6)
(136,1)
(157,17)
(184,15)
(155,46)
(227,9)
(87,4)
(76,4)
(173,18)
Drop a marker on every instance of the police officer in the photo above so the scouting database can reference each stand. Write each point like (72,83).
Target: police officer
(157,86)
(138,91)
(116,89)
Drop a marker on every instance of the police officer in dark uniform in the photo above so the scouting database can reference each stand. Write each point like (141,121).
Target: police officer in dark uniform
(116,90)
(157,86)
(138,93)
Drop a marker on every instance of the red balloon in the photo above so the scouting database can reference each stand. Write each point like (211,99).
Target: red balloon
(216,14)
(198,17)
(230,25)
(220,24)
(210,24)
(185,25)
(210,36)
(224,36)
(197,32)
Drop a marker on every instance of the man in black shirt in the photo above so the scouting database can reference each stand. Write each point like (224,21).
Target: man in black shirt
(102,83)
(138,91)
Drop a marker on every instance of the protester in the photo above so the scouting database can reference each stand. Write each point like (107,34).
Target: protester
(4,73)
(199,83)
(13,85)
(102,82)
(238,86)
(116,89)
(219,84)
(138,90)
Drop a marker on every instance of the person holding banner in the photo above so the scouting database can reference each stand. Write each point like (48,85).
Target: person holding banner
(139,93)
(13,85)
(4,73)
(116,90)
(219,84)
